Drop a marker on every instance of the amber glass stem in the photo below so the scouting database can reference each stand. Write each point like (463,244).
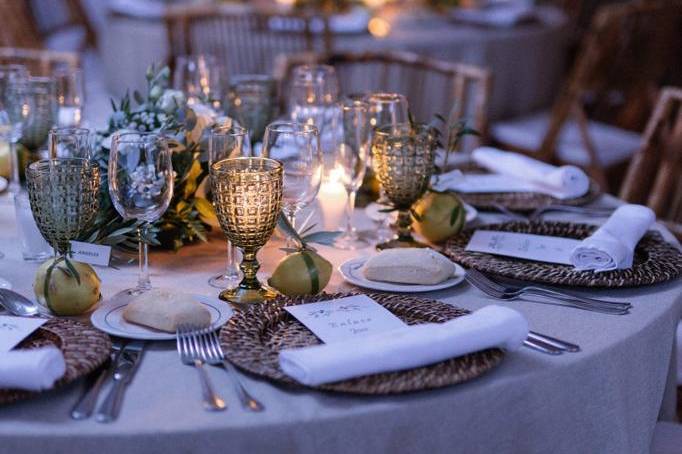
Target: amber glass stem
(249,267)
(404,224)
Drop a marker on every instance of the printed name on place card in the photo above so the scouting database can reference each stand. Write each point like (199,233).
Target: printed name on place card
(542,248)
(94,254)
(345,318)
(15,329)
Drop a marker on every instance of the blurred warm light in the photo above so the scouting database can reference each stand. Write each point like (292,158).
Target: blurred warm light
(379,27)
(374,4)
(286,2)
(336,175)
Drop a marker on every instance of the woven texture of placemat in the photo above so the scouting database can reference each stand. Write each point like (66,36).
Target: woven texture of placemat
(253,338)
(84,349)
(655,259)
(520,201)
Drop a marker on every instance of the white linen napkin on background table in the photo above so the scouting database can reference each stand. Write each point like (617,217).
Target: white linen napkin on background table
(514,172)
(406,348)
(31,370)
(612,246)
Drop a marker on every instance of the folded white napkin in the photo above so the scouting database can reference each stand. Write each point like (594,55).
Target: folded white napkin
(32,370)
(612,246)
(406,348)
(563,182)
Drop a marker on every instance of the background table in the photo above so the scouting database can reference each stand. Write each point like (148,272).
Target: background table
(604,399)
(527,61)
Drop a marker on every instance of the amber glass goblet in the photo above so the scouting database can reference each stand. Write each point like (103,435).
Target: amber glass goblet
(64,196)
(403,160)
(247,195)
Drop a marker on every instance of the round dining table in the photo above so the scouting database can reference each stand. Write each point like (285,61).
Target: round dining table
(604,399)
(527,60)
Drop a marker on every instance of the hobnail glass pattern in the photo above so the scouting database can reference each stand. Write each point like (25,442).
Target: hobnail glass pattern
(64,196)
(247,195)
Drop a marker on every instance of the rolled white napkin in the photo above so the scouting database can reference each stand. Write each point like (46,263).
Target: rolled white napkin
(406,348)
(496,16)
(612,246)
(565,182)
(31,370)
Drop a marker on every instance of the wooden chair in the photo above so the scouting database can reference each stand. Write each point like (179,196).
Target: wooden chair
(431,86)
(246,41)
(18,26)
(56,16)
(39,62)
(624,59)
(654,177)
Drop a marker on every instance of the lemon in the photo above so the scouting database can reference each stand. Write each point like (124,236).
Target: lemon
(301,273)
(65,295)
(440,215)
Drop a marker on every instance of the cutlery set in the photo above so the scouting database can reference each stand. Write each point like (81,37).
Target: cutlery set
(120,370)
(538,213)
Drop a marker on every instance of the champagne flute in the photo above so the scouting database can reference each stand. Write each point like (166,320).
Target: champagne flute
(352,158)
(314,93)
(69,143)
(226,142)
(297,147)
(198,77)
(141,187)
(70,96)
(385,109)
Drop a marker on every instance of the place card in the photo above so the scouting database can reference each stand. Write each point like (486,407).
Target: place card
(94,254)
(15,329)
(345,318)
(542,248)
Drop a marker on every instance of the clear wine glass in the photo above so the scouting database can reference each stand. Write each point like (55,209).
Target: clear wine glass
(313,98)
(70,96)
(226,142)
(141,187)
(198,77)
(252,101)
(352,157)
(297,147)
(16,110)
(69,143)
(385,109)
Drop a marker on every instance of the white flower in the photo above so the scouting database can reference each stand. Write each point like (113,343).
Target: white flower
(205,118)
(155,92)
(171,100)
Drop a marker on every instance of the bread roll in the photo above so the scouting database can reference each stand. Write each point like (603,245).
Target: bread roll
(420,266)
(165,310)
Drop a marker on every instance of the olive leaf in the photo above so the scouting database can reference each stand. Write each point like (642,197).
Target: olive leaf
(455,214)
(321,237)
(418,217)
(325,238)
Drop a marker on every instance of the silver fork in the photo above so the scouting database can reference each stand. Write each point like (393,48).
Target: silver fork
(510,292)
(512,214)
(190,348)
(216,357)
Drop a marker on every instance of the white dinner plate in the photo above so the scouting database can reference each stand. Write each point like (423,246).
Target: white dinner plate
(109,318)
(351,271)
(373,212)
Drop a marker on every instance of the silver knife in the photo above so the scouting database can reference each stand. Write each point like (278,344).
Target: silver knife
(128,363)
(86,404)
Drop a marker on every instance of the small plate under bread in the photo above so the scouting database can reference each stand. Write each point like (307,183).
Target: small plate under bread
(109,318)
(351,271)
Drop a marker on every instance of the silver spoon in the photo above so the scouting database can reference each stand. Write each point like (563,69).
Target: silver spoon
(18,304)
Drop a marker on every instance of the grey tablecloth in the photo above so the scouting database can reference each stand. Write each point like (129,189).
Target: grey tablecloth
(605,399)
(527,61)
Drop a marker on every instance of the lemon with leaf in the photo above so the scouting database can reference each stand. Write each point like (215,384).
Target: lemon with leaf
(438,215)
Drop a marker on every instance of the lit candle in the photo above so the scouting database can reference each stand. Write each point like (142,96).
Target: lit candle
(332,197)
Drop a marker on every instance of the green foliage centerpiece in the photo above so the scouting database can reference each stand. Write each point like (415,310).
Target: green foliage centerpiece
(164,111)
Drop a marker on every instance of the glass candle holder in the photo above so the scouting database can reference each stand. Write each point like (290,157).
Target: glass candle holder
(247,195)
(403,157)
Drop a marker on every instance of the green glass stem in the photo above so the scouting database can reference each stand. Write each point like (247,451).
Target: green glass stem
(404,224)
(249,267)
